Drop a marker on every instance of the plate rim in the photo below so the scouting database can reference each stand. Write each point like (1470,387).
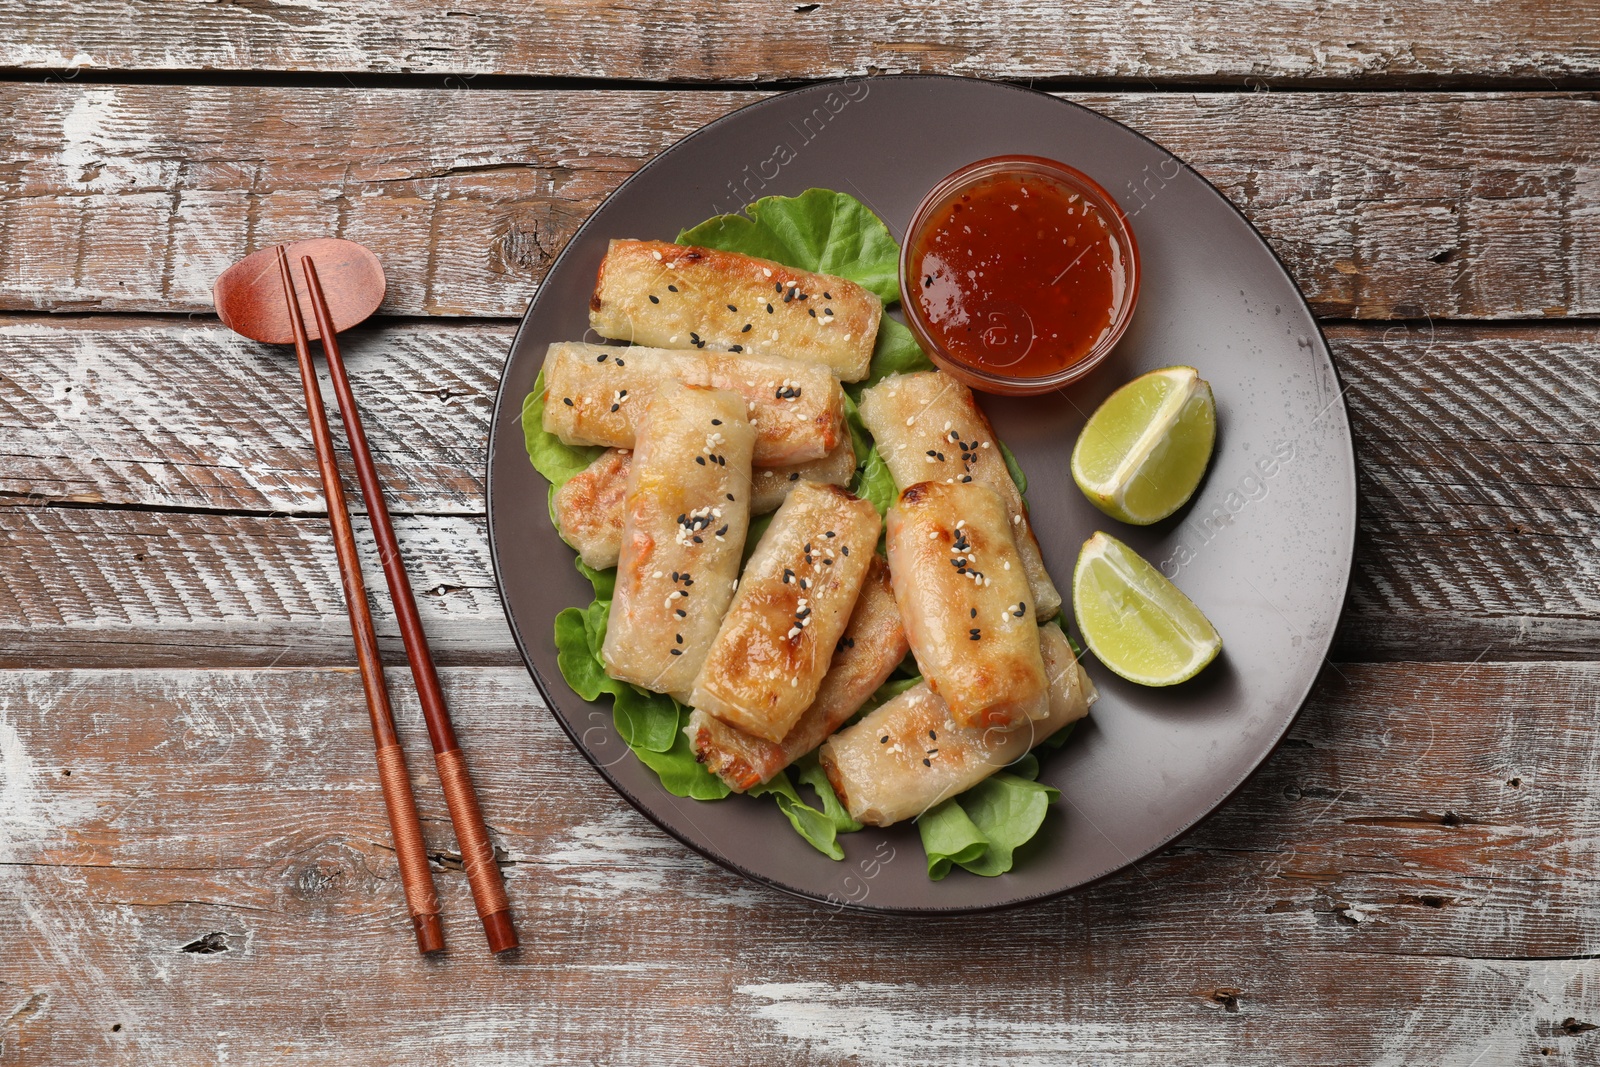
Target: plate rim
(1352,500)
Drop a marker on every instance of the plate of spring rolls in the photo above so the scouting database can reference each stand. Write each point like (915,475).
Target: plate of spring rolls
(804,600)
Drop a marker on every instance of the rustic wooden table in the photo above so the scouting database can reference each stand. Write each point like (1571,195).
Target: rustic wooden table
(194,862)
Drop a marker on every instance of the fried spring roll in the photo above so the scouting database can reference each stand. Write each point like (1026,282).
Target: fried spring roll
(593,395)
(685,516)
(909,755)
(774,484)
(965,603)
(674,296)
(872,646)
(589,507)
(793,603)
(928,428)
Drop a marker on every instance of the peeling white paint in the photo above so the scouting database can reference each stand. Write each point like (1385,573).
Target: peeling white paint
(881,1022)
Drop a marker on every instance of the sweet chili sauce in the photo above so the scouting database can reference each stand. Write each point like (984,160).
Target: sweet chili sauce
(1019,275)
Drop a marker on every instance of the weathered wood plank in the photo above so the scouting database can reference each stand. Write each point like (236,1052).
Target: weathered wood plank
(219,840)
(133,198)
(1477,449)
(1360,41)
(177,590)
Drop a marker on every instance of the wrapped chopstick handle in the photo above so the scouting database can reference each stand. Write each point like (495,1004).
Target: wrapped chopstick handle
(415,877)
(477,852)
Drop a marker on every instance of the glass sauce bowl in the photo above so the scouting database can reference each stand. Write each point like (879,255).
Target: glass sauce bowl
(1018,274)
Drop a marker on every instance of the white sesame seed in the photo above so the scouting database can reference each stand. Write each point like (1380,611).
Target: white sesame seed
(985,444)
(910,419)
(657,255)
(766,271)
(947,426)
(1008,564)
(659,574)
(1015,519)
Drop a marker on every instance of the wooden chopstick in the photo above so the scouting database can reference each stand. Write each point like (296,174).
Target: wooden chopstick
(415,877)
(477,852)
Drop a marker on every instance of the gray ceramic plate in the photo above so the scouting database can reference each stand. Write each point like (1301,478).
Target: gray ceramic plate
(1264,548)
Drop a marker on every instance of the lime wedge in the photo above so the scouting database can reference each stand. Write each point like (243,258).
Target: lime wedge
(1136,622)
(1143,452)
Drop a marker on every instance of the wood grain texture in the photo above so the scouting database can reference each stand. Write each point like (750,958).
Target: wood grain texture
(1409,880)
(134,198)
(1360,41)
(1477,450)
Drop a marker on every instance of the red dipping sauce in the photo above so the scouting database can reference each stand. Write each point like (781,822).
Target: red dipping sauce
(1019,274)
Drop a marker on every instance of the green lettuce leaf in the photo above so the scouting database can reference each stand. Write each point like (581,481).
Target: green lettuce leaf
(1015,470)
(815,826)
(809,771)
(896,352)
(949,836)
(981,829)
(819,230)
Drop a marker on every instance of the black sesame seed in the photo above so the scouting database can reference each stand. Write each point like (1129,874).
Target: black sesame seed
(966,477)
(827,296)
(927,763)
(675,573)
(777,287)
(730,496)
(830,533)
(700,541)
(928,282)
(620,363)
(813,312)
(694,337)
(682,614)
(686,579)
(827,311)
(794,476)
(884,740)
(676,651)
(788,296)
(615,406)
(732,308)
(724,531)
(932,736)
(736,348)
(746,328)
(567,400)
(700,460)
(654,299)
(845,549)
(769,309)
(974,613)
(679,637)
(672,288)
(716,422)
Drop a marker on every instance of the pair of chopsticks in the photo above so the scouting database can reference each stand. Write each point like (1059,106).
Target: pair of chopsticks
(477,854)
